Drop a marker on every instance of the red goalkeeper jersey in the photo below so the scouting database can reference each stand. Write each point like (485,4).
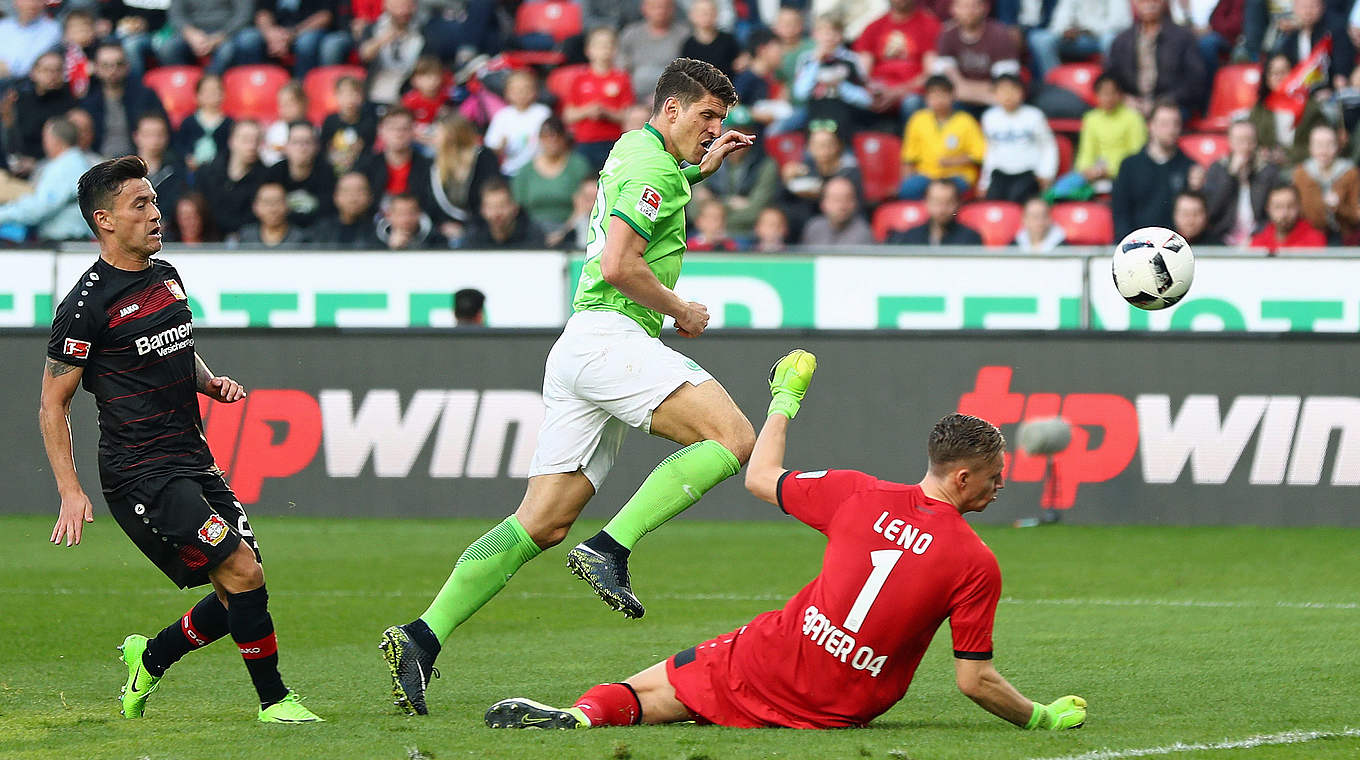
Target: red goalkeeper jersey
(897,564)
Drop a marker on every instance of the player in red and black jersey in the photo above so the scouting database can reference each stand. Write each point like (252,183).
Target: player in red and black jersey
(899,561)
(125,332)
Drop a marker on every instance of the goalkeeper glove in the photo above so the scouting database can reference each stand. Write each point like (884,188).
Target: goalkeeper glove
(789,378)
(1068,712)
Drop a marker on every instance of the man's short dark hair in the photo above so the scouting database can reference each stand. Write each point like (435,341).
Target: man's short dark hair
(1104,77)
(497,185)
(759,39)
(947,184)
(110,42)
(689,81)
(397,112)
(963,438)
(1286,187)
(300,123)
(155,116)
(97,187)
(63,130)
(1009,78)
(1165,104)
(468,303)
(1193,195)
(938,82)
(404,197)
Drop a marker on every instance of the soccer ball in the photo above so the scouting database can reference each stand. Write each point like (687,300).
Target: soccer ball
(1153,268)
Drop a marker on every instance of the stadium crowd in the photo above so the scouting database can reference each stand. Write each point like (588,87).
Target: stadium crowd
(435,124)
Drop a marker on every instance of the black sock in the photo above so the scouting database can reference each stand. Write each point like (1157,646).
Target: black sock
(253,631)
(205,623)
(604,543)
(420,633)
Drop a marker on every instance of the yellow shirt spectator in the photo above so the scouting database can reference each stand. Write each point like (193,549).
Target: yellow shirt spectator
(929,140)
(1109,137)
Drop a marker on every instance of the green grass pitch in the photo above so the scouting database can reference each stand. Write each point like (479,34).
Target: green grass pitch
(1190,635)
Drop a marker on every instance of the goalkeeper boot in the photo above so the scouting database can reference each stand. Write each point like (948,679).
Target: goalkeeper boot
(526,713)
(140,684)
(411,668)
(606,570)
(289,710)
(789,380)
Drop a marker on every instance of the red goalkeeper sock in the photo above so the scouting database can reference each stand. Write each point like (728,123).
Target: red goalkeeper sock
(611,704)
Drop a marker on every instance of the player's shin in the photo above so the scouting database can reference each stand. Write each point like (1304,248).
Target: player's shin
(482,571)
(253,631)
(674,486)
(611,704)
(205,623)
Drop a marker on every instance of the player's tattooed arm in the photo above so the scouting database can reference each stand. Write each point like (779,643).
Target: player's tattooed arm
(202,375)
(59,383)
(216,387)
(57,369)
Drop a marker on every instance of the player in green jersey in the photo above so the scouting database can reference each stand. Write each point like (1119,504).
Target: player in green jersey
(608,372)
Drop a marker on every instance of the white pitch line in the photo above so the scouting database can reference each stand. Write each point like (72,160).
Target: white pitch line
(1186,603)
(1260,740)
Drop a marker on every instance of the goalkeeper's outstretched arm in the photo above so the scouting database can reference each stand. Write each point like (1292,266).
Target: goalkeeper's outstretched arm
(980,682)
(789,379)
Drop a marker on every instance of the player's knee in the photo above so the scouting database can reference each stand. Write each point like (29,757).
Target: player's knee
(740,439)
(240,572)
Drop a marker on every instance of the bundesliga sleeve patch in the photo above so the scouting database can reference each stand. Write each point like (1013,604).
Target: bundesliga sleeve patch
(76,349)
(650,202)
(213,531)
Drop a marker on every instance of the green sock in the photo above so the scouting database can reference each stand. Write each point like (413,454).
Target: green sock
(482,571)
(680,480)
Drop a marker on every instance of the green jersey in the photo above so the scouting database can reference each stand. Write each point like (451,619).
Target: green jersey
(644,186)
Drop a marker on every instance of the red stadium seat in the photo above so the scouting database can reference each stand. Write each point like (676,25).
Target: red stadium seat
(559,19)
(560,79)
(896,216)
(880,164)
(1077,78)
(320,88)
(1085,222)
(1235,90)
(1065,153)
(1204,149)
(786,147)
(252,91)
(175,86)
(996,221)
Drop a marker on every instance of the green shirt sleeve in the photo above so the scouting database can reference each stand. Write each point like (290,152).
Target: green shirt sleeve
(648,193)
(693,174)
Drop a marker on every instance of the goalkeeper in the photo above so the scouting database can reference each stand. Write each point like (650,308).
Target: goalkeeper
(900,559)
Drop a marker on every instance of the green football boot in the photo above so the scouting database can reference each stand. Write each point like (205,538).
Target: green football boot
(140,684)
(289,710)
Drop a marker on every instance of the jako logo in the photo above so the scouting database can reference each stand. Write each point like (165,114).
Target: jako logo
(1292,435)
(126,310)
(472,433)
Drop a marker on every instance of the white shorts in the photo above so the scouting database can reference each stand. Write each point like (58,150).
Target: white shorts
(604,375)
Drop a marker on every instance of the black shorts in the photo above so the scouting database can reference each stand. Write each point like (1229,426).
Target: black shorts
(185,524)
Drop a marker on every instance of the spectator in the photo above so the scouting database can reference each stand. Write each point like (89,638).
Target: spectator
(746,182)
(830,79)
(636,116)
(758,86)
(133,25)
(594,108)
(352,225)
(115,102)
(457,30)
(426,99)
(1190,218)
(840,222)
(209,29)
(504,224)
(1286,228)
(974,49)
(167,174)
(302,29)
(51,212)
(363,14)
(398,168)
(84,124)
(789,27)
(1022,155)
(390,49)
(941,227)
(271,228)
(352,130)
(940,143)
(292,102)
(710,229)
(1281,128)
(545,187)
(648,46)
(77,49)
(404,227)
(1077,30)
(193,223)
(1110,132)
(308,184)
(230,181)
(772,230)
(1155,59)
(1149,180)
(463,167)
(898,49)
(1038,233)
(1308,28)
(27,109)
(469,308)
(203,134)
(1236,186)
(514,130)
(1198,17)
(25,35)
(574,233)
(709,43)
(803,180)
(1329,186)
